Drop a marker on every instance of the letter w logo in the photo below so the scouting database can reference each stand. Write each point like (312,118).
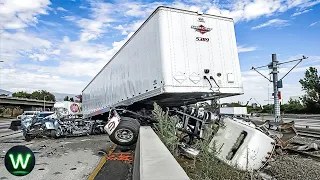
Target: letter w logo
(19,161)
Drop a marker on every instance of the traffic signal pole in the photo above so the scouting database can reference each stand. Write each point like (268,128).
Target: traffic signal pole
(277,83)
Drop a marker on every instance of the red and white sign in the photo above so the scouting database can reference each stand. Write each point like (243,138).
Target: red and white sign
(74,108)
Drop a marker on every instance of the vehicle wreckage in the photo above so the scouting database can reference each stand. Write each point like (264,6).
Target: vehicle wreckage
(174,69)
(236,141)
(60,123)
(177,58)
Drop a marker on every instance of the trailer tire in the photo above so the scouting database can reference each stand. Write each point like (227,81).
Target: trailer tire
(126,133)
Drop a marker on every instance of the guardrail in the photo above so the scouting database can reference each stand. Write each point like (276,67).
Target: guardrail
(153,161)
(305,126)
(295,115)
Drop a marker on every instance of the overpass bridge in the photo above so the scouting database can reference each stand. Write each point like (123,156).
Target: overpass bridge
(25,104)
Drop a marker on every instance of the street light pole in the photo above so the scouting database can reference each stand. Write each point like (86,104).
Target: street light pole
(0,73)
(44,103)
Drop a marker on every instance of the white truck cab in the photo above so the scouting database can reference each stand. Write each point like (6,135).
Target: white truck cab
(66,108)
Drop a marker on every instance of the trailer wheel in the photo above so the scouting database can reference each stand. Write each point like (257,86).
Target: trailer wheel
(126,133)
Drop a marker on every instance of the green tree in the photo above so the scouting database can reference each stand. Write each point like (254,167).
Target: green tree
(40,94)
(311,85)
(293,106)
(21,94)
(66,98)
(71,99)
(268,108)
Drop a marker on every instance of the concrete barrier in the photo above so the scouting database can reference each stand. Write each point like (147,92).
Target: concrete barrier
(153,161)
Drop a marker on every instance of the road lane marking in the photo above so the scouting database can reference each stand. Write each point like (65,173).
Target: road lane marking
(101,163)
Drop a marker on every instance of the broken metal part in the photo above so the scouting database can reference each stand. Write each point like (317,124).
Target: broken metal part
(308,147)
(283,133)
(189,151)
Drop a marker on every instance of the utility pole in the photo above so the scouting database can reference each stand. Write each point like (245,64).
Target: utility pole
(0,73)
(274,67)
(277,83)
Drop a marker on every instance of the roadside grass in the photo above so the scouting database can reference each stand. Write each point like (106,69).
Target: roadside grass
(205,166)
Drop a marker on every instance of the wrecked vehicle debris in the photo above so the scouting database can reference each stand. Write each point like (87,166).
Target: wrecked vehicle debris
(58,124)
(36,127)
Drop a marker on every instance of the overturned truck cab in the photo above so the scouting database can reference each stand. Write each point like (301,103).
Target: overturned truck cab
(242,145)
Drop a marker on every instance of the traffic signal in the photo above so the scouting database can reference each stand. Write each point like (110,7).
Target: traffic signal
(279,95)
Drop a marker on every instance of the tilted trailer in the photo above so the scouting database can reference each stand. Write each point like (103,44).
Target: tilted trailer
(176,58)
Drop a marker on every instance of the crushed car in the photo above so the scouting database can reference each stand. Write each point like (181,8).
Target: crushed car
(58,124)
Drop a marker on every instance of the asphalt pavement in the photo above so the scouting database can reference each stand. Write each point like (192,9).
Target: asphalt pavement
(73,158)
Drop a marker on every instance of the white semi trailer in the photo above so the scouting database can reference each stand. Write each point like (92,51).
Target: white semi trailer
(175,58)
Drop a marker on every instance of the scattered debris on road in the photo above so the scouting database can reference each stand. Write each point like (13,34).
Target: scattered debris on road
(308,147)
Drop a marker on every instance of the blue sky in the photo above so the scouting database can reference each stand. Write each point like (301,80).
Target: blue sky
(59,45)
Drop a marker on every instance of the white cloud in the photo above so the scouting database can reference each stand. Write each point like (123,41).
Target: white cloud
(15,14)
(245,10)
(61,9)
(273,23)
(246,49)
(83,50)
(70,18)
(55,52)
(15,45)
(308,3)
(19,79)
(314,23)
(95,27)
(300,12)
(92,29)
(38,57)
(127,28)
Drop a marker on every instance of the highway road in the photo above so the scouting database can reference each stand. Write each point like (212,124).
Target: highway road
(73,158)
(299,122)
